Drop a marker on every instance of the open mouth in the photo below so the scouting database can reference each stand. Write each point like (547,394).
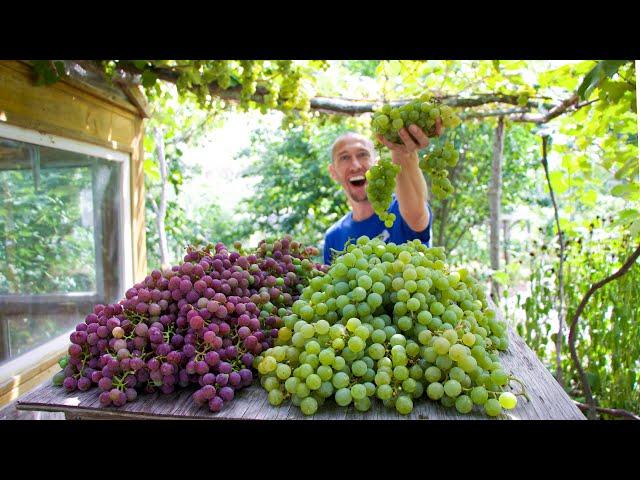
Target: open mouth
(358,181)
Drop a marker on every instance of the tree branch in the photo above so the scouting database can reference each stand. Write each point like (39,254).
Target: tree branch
(559,335)
(162,211)
(130,73)
(551,114)
(462,234)
(615,412)
(574,321)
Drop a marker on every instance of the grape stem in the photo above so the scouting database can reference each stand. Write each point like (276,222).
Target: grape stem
(524,389)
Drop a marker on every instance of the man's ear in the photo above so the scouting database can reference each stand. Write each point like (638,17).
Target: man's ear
(332,172)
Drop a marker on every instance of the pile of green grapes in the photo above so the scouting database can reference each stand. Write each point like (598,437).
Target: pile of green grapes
(387,121)
(392,322)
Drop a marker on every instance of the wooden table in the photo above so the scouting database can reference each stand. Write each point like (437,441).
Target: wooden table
(548,401)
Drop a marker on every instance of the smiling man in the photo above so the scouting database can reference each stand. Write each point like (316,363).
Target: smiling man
(351,156)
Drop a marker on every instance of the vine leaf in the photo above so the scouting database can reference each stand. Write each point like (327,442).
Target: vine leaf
(603,69)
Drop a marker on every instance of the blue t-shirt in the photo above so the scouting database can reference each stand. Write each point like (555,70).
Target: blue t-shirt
(348,229)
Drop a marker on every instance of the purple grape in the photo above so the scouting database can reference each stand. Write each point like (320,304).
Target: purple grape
(226,393)
(247,377)
(155,335)
(167,369)
(212,358)
(177,341)
(105,399)
(250,342)
(208,392)
(185,286)
(202,367)
(225,367)
(167,389)
(222,379)
(189,350)
(183,378)
(247,359)
(163,349)
(235,379)
(83,384)
(139,343)
(125,364)
(191,367)
(105,384)
(120,400)
(174,357)
(215,404)
(198,397)
(153,364)
(156,376)
(136,364)
(141,308)
(142,375)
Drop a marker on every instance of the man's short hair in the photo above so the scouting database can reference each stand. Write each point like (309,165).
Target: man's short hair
(356,135)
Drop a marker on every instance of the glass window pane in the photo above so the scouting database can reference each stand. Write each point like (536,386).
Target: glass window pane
(60,241)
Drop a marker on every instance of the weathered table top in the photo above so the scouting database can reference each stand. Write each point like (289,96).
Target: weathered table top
(548,401)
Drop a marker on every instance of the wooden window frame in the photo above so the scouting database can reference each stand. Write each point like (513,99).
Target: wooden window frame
(13,367)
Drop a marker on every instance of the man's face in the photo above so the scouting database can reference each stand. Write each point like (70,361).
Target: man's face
(352,157)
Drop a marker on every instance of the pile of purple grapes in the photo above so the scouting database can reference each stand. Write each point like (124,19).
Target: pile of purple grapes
(199,323)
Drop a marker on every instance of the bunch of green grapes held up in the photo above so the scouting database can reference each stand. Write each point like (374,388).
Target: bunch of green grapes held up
(388,121)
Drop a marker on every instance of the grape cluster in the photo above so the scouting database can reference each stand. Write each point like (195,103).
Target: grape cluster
(392,322)
(388,120)
(434,164)
(199,323)
(381,181)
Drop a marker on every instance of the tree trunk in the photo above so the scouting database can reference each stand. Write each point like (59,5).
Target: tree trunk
(506,230)
(162,210)
(443,212)
(495,198)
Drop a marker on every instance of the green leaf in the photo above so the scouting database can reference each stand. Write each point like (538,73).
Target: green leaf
(594,380)
(625,190)
(501,277)
(570,163)
(630,166)
(60,68)
(496,65)
(610,67)
(558,182)
(589,82)
(141,64)
(393,68)
(151,170)
(149,79)
(605,68)
(513,268)
(589,197)
(629,214)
